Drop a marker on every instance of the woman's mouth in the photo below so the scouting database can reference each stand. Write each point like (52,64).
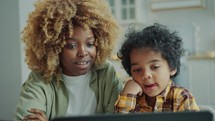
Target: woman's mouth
(82,64)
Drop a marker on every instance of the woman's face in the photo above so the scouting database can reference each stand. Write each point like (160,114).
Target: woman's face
(79,53)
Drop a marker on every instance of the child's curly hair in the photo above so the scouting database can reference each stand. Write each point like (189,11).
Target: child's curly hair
(156,37)
(50,22)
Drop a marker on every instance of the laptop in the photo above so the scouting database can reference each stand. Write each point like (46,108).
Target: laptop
(159,116)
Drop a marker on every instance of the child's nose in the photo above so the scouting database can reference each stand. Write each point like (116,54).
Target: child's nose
(146,75)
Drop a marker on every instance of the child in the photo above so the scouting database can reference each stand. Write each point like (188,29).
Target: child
(152,58)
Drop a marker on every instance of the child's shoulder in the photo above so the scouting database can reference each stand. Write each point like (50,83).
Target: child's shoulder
(178,88)
(180,91)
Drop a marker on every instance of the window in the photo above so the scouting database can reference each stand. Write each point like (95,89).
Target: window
(112,6)
(128,9)
(123,10)
(176,4)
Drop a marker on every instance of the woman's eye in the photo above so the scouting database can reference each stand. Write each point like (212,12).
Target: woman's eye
(90,44)
(73,45)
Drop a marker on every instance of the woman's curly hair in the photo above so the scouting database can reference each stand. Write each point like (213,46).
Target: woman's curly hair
(50,23)
(156,37)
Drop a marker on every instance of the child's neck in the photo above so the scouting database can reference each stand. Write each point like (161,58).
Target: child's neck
(151,101)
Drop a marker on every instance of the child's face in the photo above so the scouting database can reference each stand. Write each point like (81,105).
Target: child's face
(150,70)
(79,53)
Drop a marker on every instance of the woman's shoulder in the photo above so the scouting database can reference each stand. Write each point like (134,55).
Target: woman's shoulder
(107,72)
(35,79)
(106,65)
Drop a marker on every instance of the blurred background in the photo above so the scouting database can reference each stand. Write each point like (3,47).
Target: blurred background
(193,19)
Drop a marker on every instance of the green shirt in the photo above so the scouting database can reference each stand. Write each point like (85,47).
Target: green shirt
(53,98)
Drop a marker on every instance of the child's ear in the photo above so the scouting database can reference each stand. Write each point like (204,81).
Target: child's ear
(172,72)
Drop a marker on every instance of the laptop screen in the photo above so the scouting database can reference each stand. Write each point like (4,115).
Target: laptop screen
(160,116)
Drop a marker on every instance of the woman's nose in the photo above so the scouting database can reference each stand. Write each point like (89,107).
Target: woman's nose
(82,51)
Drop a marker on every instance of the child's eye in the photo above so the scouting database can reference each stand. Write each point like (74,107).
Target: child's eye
(136,70)
(155,67)
(71,46)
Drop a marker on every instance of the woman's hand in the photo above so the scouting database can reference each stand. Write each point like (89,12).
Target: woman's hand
(36,115)
(132,87)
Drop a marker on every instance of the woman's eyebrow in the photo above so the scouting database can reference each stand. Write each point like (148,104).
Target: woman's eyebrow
(73,38)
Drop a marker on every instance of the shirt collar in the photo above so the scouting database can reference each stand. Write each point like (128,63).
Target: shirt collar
(166,91)
(162,96)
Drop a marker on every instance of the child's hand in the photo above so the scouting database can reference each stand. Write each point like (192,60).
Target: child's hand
(132,87)
(36,115)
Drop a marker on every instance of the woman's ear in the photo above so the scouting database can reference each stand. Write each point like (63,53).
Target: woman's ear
(172,72)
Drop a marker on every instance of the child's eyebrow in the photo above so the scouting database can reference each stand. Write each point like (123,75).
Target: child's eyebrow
(155,60)
(133,64)
(152,61)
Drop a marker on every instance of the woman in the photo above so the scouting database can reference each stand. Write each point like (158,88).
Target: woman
(67,44)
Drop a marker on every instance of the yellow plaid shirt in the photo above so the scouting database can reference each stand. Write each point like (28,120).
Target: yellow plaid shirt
(172,99)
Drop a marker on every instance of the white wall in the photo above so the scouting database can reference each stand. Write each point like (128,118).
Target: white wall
(203,18)
(10,68)
(13,68)
(12,21)
(25,7)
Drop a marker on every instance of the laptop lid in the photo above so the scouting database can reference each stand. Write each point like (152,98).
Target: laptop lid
(160,116)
